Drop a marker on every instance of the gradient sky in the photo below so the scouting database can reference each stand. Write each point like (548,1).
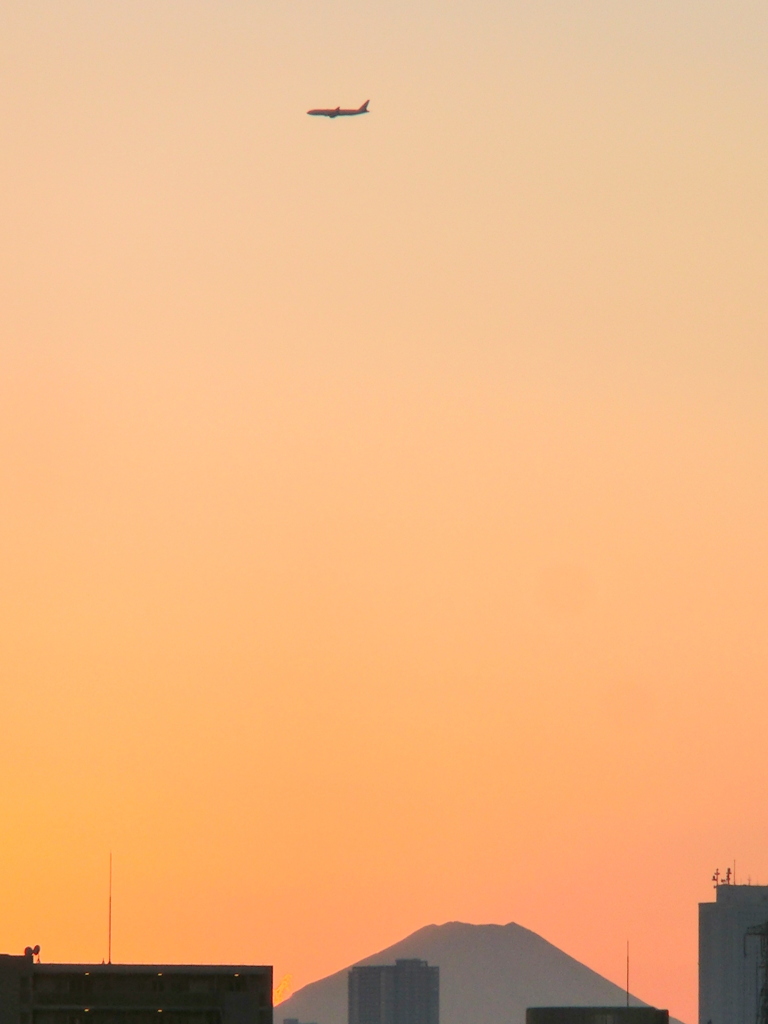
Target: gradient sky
(383,502)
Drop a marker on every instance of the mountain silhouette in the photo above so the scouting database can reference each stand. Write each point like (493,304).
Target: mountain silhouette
(489,974)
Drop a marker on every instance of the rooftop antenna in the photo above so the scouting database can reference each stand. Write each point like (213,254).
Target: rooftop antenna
(627,972)
(109,929)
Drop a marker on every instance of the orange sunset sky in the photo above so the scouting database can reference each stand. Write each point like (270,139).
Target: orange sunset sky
(383,502)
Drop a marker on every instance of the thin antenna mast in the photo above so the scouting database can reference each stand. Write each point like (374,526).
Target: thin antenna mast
(109,943)
(627,972)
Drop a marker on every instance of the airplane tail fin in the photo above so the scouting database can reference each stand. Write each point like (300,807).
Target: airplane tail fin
(364,108)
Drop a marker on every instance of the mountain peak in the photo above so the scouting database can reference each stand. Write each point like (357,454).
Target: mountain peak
(489,974)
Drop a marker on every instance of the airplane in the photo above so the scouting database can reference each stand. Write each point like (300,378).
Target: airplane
(340,112)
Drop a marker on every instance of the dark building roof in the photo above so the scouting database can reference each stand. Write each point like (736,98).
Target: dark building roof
(596,1015)
(34,993)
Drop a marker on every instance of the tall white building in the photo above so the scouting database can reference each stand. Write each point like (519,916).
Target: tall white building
(729,972)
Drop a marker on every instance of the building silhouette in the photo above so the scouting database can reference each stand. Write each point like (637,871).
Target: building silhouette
(35,993)
(596,1015)
(730,977)
(406,992)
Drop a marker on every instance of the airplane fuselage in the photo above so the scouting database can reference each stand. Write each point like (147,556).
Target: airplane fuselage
(339,111)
